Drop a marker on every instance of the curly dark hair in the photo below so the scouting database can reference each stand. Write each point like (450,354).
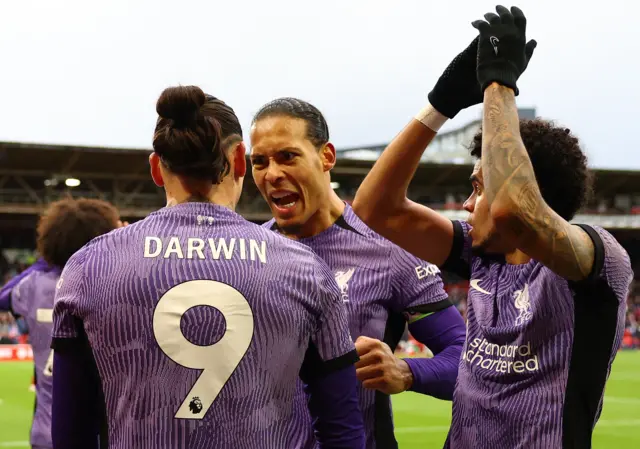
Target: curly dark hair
(69,224)
(560,165)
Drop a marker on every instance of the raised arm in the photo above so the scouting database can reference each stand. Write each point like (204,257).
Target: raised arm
(519,212)
(381,200)
(382,203)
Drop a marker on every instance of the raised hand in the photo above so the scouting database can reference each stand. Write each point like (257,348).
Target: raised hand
(503,52)
(457,88)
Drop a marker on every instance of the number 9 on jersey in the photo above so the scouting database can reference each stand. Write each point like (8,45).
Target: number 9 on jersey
(217,361)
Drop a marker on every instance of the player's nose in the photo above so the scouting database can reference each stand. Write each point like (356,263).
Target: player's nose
(274,173)
(469,204)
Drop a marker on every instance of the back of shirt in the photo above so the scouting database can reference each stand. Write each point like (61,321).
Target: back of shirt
(199,322)
(32,298)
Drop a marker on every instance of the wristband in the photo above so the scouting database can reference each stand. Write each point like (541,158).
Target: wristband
(431,118)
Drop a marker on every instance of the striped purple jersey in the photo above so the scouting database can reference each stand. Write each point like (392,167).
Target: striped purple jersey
(539,348)
(199,322)
(32,298)
(382,286)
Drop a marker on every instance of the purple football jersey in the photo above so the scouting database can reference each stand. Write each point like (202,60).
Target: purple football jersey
(5,291)
(381,285)
(32,298)
(199,322)
(539,348)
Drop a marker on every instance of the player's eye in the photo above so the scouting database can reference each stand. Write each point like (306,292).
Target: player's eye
(257,161)
(287,155)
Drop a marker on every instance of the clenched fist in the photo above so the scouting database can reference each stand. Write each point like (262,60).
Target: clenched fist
(379,369)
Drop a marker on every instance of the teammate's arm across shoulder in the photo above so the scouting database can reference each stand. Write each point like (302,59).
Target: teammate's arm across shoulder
(328,371)
(381,200)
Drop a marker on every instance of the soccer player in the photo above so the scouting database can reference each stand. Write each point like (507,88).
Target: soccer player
(547,297)
(382,286)
(199,321)
(65,227)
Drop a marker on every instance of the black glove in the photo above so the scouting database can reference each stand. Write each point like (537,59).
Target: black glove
(457,88)
(503,53)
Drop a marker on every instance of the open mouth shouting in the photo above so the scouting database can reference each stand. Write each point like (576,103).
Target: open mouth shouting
(284,201)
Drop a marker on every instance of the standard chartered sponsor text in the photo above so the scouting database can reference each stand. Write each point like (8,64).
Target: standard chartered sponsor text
(500,358)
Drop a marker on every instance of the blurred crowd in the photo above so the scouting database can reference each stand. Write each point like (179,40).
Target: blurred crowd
(631,339)
(12,331)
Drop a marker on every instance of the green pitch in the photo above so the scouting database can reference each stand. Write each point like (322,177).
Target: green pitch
(421,422)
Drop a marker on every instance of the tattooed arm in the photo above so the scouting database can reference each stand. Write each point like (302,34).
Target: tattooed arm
(519,212)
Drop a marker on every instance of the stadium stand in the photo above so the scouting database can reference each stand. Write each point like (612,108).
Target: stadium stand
(32,175)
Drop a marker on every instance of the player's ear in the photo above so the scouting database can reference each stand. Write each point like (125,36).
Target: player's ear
(328,155)
(239,155)
(156,173)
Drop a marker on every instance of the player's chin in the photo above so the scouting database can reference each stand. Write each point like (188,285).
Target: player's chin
(478,243)
(485,244)
(288,218)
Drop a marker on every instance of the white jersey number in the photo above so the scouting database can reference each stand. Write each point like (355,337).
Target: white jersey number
(219,360)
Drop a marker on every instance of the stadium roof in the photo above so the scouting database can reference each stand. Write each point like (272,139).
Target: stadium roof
(95,162)
(121,175)
(129,163)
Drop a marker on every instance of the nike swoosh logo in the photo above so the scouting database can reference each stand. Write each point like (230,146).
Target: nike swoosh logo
(494,42)
(474,285)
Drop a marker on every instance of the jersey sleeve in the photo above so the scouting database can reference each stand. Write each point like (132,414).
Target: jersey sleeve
(67,324)
(418,289)
(459,260)
(6,292)
(611,262)
(21,295)
(331,347)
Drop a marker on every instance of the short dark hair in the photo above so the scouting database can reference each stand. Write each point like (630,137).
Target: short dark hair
(560,165)
(317,128)
(230,128)
(69,224)
(193,131)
